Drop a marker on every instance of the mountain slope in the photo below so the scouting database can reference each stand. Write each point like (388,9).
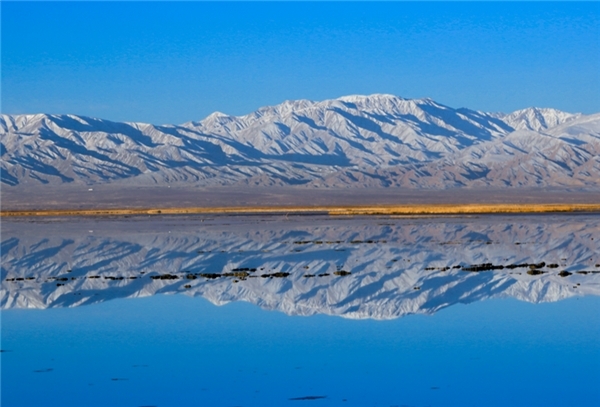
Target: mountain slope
(353,141)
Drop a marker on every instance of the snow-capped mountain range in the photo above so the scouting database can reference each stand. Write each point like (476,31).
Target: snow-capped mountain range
(353,141)
(379,268)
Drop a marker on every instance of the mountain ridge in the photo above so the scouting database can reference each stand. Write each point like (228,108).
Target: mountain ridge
(353,141)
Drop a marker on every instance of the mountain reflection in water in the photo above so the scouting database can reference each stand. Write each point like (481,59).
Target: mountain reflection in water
(372,267)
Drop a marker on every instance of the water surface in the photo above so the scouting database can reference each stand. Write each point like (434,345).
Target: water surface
(460,311)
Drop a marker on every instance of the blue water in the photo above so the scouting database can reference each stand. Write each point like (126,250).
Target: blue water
(172,350)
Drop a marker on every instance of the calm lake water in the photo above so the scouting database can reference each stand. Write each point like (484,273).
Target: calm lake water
(497,310)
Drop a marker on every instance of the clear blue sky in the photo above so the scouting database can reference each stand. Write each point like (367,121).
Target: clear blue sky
(174,62)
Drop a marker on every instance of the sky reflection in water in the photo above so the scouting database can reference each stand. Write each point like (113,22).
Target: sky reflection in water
(174,350)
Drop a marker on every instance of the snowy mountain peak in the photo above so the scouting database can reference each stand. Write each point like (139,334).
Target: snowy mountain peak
(216,115)
(538,119)
(374,99)
(353,141)
(385,103)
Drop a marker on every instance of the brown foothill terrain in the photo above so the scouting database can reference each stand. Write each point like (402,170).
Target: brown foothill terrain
(110,201)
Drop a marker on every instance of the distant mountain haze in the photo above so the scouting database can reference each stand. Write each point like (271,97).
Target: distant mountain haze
(353,141)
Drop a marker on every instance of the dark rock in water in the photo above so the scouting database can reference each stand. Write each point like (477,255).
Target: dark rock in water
(280,275)
(243,269)
(341,273)
(525,265)
(307,398)
(534,272)
(43,370)
(537,266)
(211,276)
(564,273)
(165,277)
(476,268)
(239,274)
(437,268)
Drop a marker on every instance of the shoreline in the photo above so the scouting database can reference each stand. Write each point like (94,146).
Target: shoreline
(331,210)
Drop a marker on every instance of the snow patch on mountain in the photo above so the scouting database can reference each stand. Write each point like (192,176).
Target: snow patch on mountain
(537,119)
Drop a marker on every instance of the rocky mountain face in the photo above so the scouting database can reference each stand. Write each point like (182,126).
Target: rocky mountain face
(380,268)
(353,141)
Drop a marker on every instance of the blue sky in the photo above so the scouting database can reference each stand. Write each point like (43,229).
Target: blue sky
(174,62)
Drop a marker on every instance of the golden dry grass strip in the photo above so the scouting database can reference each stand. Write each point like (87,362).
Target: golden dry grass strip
(448,209)
(452,209)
